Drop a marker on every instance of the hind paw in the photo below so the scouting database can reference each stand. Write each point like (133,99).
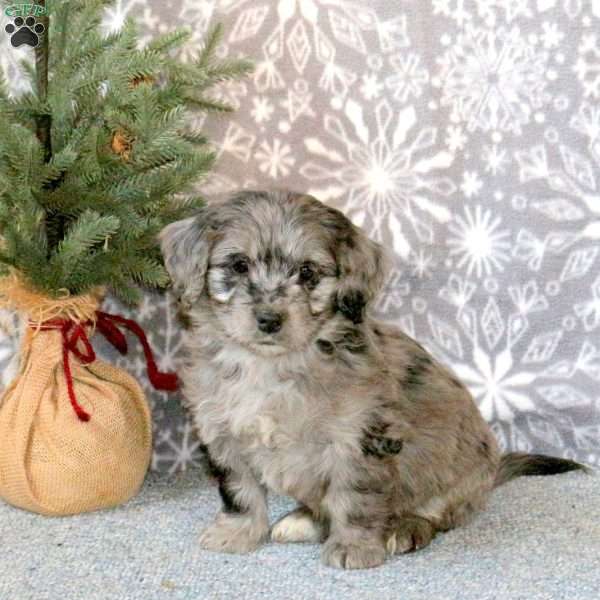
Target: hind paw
(352,555)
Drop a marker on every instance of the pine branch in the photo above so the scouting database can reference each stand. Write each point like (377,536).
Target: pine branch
(99,157)
(57,166)
(147,271)
(209,104)
(213,38)
(28,108)
(86,233)
(227,70)
(195,137)
(171,40)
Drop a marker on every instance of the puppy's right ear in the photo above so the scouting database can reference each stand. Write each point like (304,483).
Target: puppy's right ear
(186,247)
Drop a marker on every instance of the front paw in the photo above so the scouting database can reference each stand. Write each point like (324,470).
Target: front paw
(297,526)
(235,534)
(412,533)
(352,555)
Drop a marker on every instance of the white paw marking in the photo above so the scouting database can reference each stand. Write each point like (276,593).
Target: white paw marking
(296,528)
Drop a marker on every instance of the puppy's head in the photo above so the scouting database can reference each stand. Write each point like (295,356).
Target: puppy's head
(271,268)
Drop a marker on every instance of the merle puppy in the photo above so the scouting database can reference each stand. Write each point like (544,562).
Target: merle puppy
(294,388)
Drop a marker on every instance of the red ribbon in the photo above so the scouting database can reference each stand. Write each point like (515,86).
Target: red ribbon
(74,333)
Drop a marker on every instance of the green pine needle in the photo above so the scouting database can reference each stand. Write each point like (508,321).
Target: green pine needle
(213,38)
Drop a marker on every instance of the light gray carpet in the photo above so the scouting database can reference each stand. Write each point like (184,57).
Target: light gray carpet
(539,539)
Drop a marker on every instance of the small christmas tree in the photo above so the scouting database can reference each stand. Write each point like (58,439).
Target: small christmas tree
(94,161)
(98,157)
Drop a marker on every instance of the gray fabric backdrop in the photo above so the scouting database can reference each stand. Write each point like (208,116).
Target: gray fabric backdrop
(464,135)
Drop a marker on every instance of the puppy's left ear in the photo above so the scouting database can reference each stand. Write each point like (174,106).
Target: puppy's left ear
(362,265)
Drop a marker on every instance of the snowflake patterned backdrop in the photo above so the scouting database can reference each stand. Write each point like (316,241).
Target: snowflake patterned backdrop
(464,135)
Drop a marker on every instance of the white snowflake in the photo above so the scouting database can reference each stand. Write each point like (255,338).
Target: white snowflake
(493,79)
(497,369)
(275,160)
(262,109)
(455,139)
(421,263)
(500,392)
(371,87)
(408,78)
(478,242)
(552,35)
(472,184)
(496,159)
(386,170)
(177,449)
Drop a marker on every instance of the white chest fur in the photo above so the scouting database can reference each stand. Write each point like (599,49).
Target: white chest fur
(253,399)
(269,411)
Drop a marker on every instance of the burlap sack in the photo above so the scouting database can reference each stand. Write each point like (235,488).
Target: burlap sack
(51,461)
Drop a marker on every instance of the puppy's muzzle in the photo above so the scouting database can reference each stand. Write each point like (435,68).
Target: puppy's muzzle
(269,321)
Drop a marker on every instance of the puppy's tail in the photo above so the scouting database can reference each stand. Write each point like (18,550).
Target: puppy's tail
(515,464)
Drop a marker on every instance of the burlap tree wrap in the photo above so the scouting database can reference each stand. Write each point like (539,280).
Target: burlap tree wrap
(51,461)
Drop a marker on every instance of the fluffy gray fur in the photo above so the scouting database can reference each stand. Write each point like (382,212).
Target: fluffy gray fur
(380,445)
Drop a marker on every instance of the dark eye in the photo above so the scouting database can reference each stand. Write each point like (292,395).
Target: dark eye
(307,273)
(240,265)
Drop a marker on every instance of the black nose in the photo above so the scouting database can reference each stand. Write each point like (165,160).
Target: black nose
(269,321)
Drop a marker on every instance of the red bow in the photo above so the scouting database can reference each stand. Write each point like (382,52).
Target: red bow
(73,333)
